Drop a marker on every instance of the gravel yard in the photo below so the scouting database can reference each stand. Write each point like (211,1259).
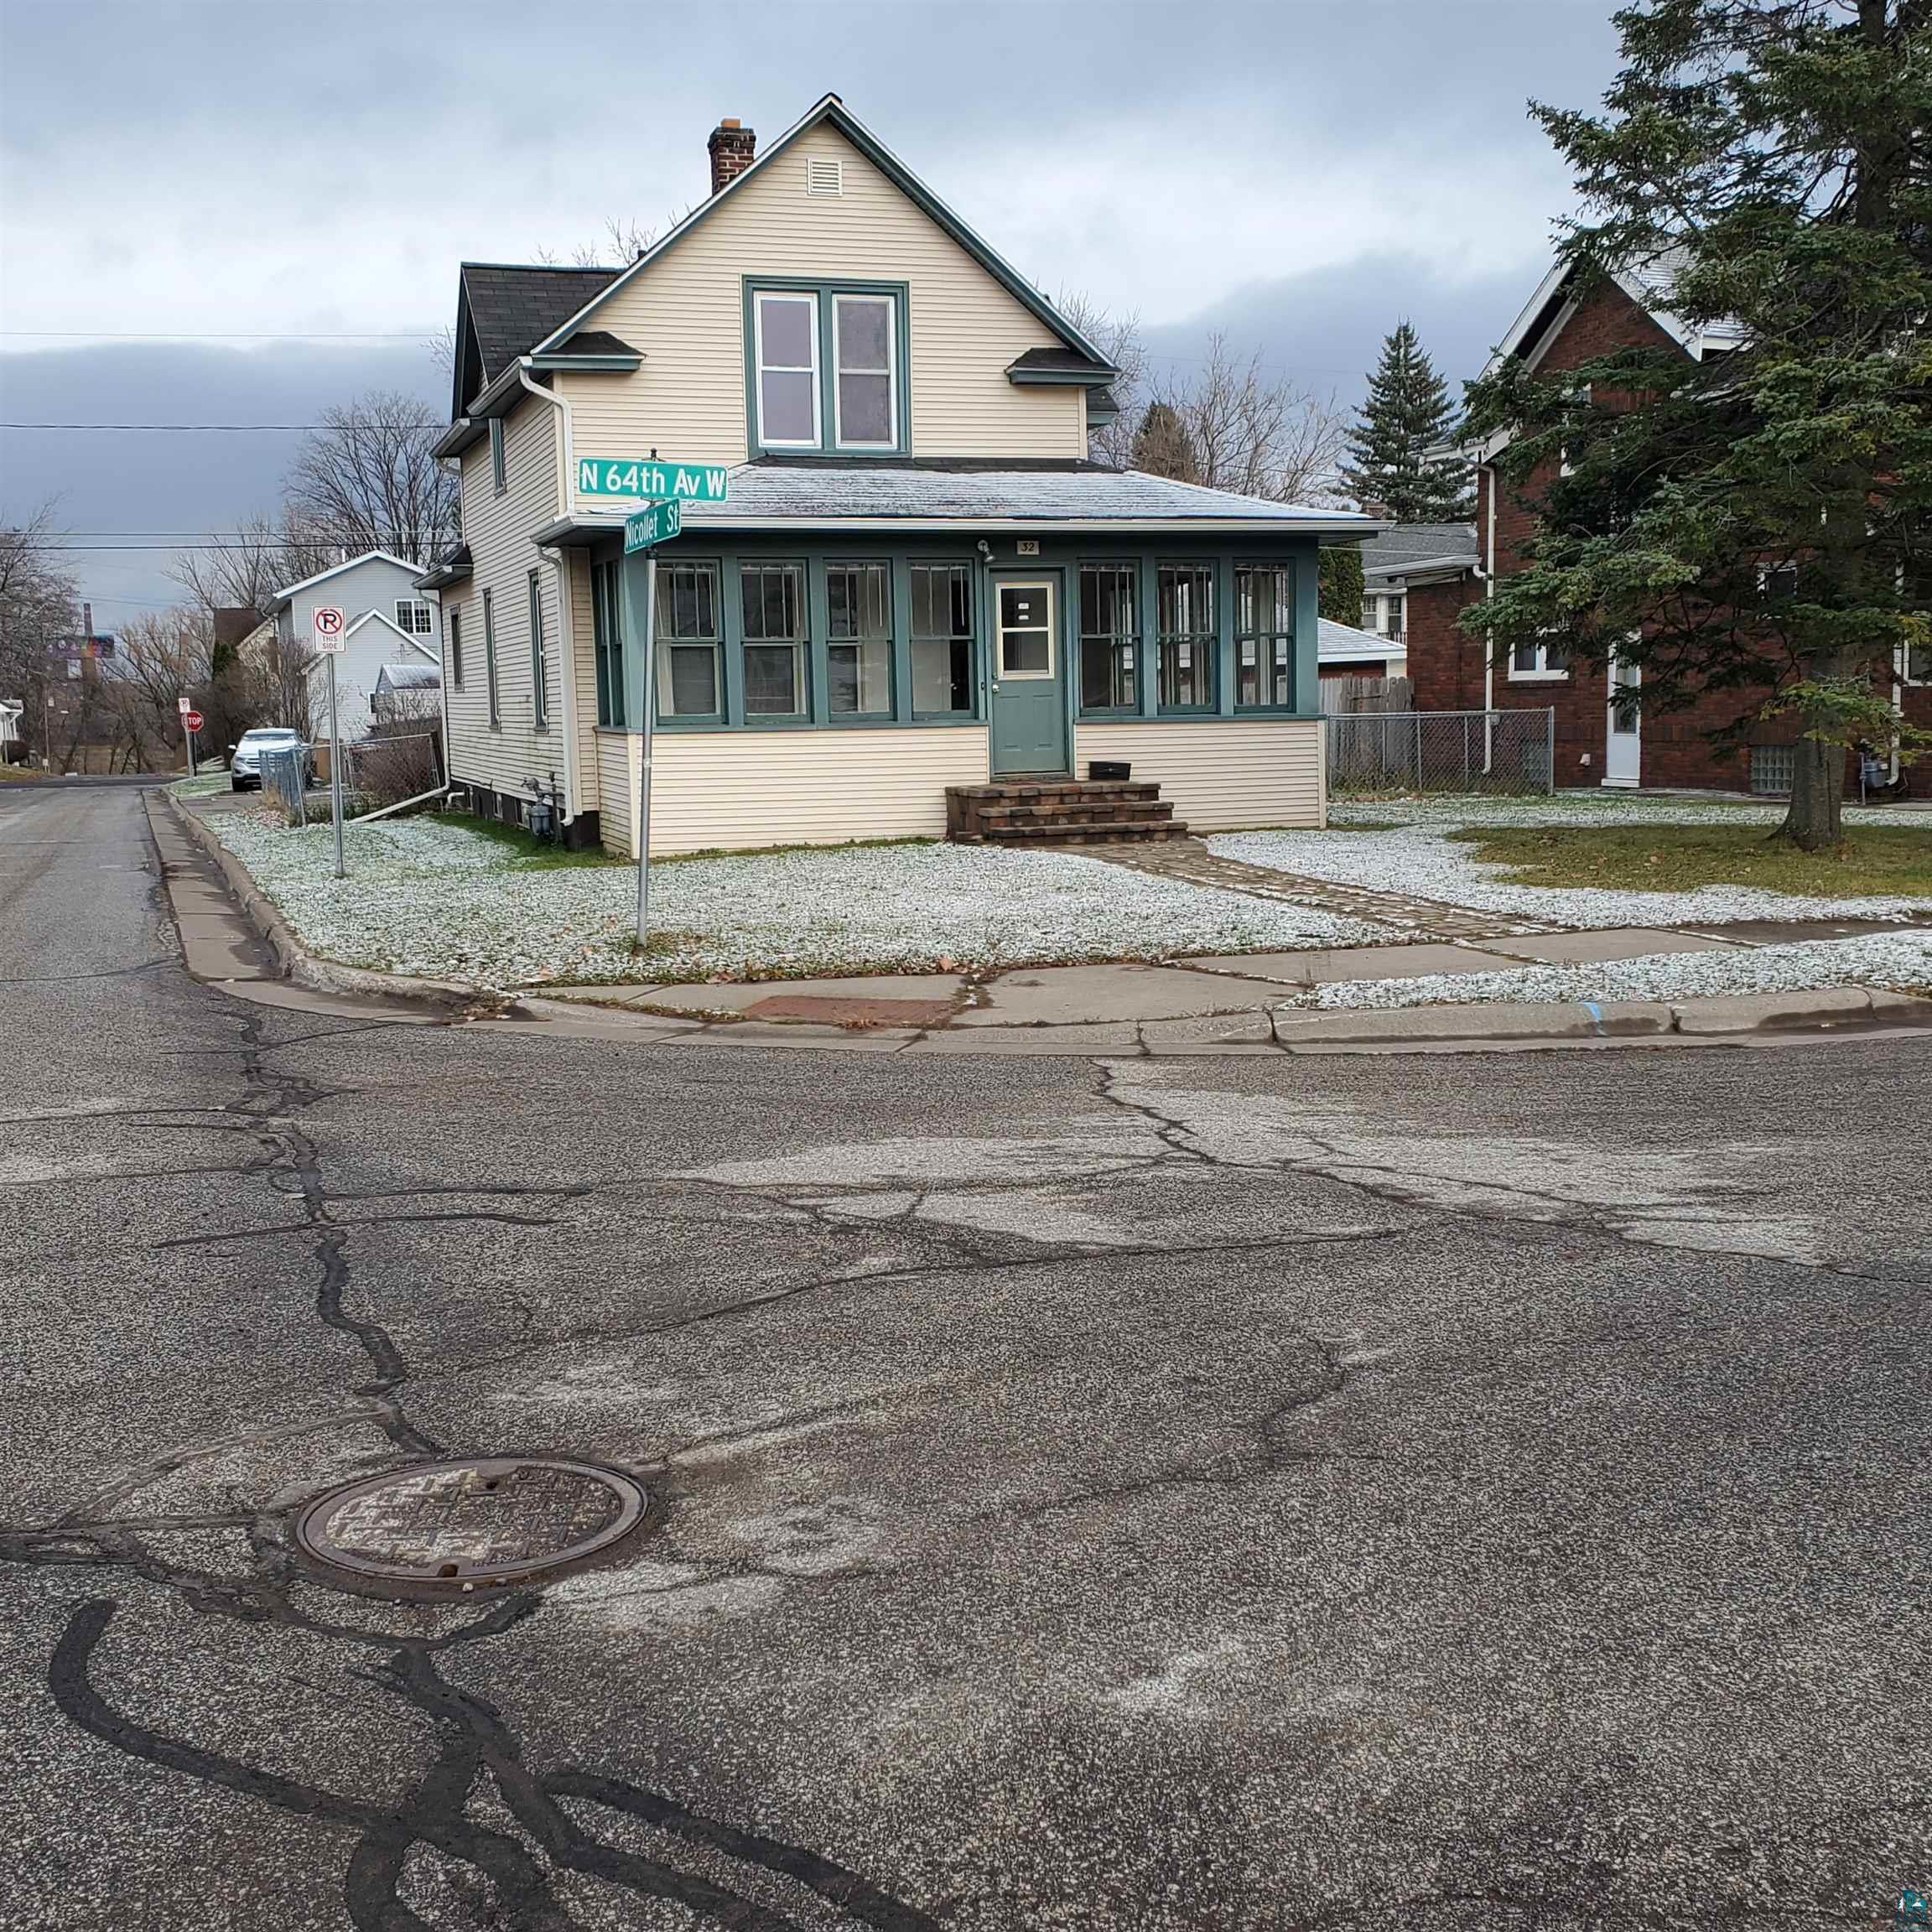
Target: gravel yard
(427,896)
(1417,856)
(1901,961)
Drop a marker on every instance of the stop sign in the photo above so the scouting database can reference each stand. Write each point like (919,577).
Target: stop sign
(192,720)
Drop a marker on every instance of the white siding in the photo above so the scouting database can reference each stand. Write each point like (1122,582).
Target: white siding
(1221,775)
(619,755)
(498,530)
(753,788)
(376,584)
(685,313)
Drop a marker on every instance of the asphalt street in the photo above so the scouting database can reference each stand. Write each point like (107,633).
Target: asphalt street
(1457,1492)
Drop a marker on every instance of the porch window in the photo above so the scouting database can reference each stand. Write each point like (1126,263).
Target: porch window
(1263,638)
(607,637)
(456,649)
(942,638)
(787,342)
(1188,636)
(1545,656)
(686,628)
(773,597)
(1110,633)
(539,657)
(858,640)
(489,658)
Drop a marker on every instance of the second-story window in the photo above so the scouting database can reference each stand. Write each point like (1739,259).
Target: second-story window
(827,369)
(787,333)
(413,617)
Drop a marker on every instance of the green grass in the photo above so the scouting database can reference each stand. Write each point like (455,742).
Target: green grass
(536,855)
(1875,861)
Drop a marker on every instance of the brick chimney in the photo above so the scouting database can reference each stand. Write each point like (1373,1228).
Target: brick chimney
(732,149)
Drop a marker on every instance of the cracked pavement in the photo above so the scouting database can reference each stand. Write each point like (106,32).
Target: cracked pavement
(1467,1492)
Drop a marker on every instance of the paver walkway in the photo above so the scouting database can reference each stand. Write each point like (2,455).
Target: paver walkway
(1191,862)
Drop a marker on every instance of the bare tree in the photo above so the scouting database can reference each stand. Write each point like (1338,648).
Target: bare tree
(38,607)
(368,481)
(1253,434)
(1117,337)
(162,656)
(253,561)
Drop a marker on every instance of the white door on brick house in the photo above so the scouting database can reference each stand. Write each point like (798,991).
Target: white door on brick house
(1624,737)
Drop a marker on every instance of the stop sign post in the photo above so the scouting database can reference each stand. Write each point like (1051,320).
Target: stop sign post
(329,626)
(191,724)
(194,720)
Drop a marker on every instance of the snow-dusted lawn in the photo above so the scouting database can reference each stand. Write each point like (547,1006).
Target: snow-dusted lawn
(427,896)
(1902,961)
(1419,857)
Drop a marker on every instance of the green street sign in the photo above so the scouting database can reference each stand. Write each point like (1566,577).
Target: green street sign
(653,525)
(625,476)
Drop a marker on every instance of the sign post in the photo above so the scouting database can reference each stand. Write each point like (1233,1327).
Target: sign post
(191,724)
(644,531)
(329,621)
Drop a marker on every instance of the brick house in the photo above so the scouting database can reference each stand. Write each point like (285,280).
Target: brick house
(1565,325)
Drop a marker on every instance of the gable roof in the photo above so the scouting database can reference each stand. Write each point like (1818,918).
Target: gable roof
(1343,641)
(504,309)
(409,677)
(831,110)
(395,630)
(287,593)
(1404,547)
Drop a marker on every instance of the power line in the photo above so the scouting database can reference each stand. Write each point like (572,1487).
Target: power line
(274,428)
(209,335)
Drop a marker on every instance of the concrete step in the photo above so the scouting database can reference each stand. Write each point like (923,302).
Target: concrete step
(1099,832)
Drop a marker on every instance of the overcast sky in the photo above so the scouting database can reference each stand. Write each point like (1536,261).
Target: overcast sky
(239,210)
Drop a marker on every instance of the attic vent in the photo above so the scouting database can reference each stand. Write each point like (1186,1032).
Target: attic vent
(824,174)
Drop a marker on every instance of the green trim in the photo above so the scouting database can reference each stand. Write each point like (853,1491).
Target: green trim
(1061,379)
(621,364)
(750,287)
(490,659)
(833,110)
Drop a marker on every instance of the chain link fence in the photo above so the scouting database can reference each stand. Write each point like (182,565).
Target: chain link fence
(1491,752)
(284,775)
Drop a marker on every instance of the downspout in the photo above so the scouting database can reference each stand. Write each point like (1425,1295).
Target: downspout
(560,563)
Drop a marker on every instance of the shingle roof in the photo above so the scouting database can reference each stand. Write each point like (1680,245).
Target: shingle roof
(1403,546)
(512,308)
(1341,640)
(408,678)
(762,493)
(594,342)
(1060,361)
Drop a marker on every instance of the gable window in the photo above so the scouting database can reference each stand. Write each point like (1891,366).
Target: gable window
(413,617)
(607,635)
(858,640)
(1546,657)
(787,332)
(687,638)
(498,477)
(826,367)
(1109,630)
(773,602)
(1264,637)
(489,658)
(456,649)
(1188,636)
(941,634)
(867,404)
(539,657)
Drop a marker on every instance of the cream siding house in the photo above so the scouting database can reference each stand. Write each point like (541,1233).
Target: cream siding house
(918,582)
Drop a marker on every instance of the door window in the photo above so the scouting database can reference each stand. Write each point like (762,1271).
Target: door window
(1026,631)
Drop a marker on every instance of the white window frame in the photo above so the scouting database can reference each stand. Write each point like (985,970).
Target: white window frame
(415,606)
(1002,630)
(890,303)
(808,300)
(1542,674)
(499,465)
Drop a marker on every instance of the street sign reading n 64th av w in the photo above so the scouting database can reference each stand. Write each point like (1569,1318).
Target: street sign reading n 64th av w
(627,476)
(655,524)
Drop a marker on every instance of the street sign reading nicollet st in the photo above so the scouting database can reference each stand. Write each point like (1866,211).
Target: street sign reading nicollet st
(655,524)
(625,476)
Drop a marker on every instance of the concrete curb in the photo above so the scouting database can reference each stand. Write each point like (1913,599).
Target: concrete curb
(623,1012)
(300,967)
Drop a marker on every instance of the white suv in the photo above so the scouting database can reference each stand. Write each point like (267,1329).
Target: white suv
(245,766)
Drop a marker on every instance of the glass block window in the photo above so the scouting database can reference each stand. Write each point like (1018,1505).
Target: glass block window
(942,626)
(686,622)
(1264,637)
(1187,636)
(1773,768)
(775,634)
(858,640)
(1109,637)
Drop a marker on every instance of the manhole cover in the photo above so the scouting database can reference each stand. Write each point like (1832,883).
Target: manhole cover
(448,1529)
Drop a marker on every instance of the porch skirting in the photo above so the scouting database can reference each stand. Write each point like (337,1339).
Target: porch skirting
(1222,773)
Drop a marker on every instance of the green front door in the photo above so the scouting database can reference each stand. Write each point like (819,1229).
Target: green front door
(1029,677)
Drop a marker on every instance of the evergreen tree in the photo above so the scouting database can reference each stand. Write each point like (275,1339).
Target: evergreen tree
(1341,581)
(1398,464)
(1754,518)
(1162,446)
